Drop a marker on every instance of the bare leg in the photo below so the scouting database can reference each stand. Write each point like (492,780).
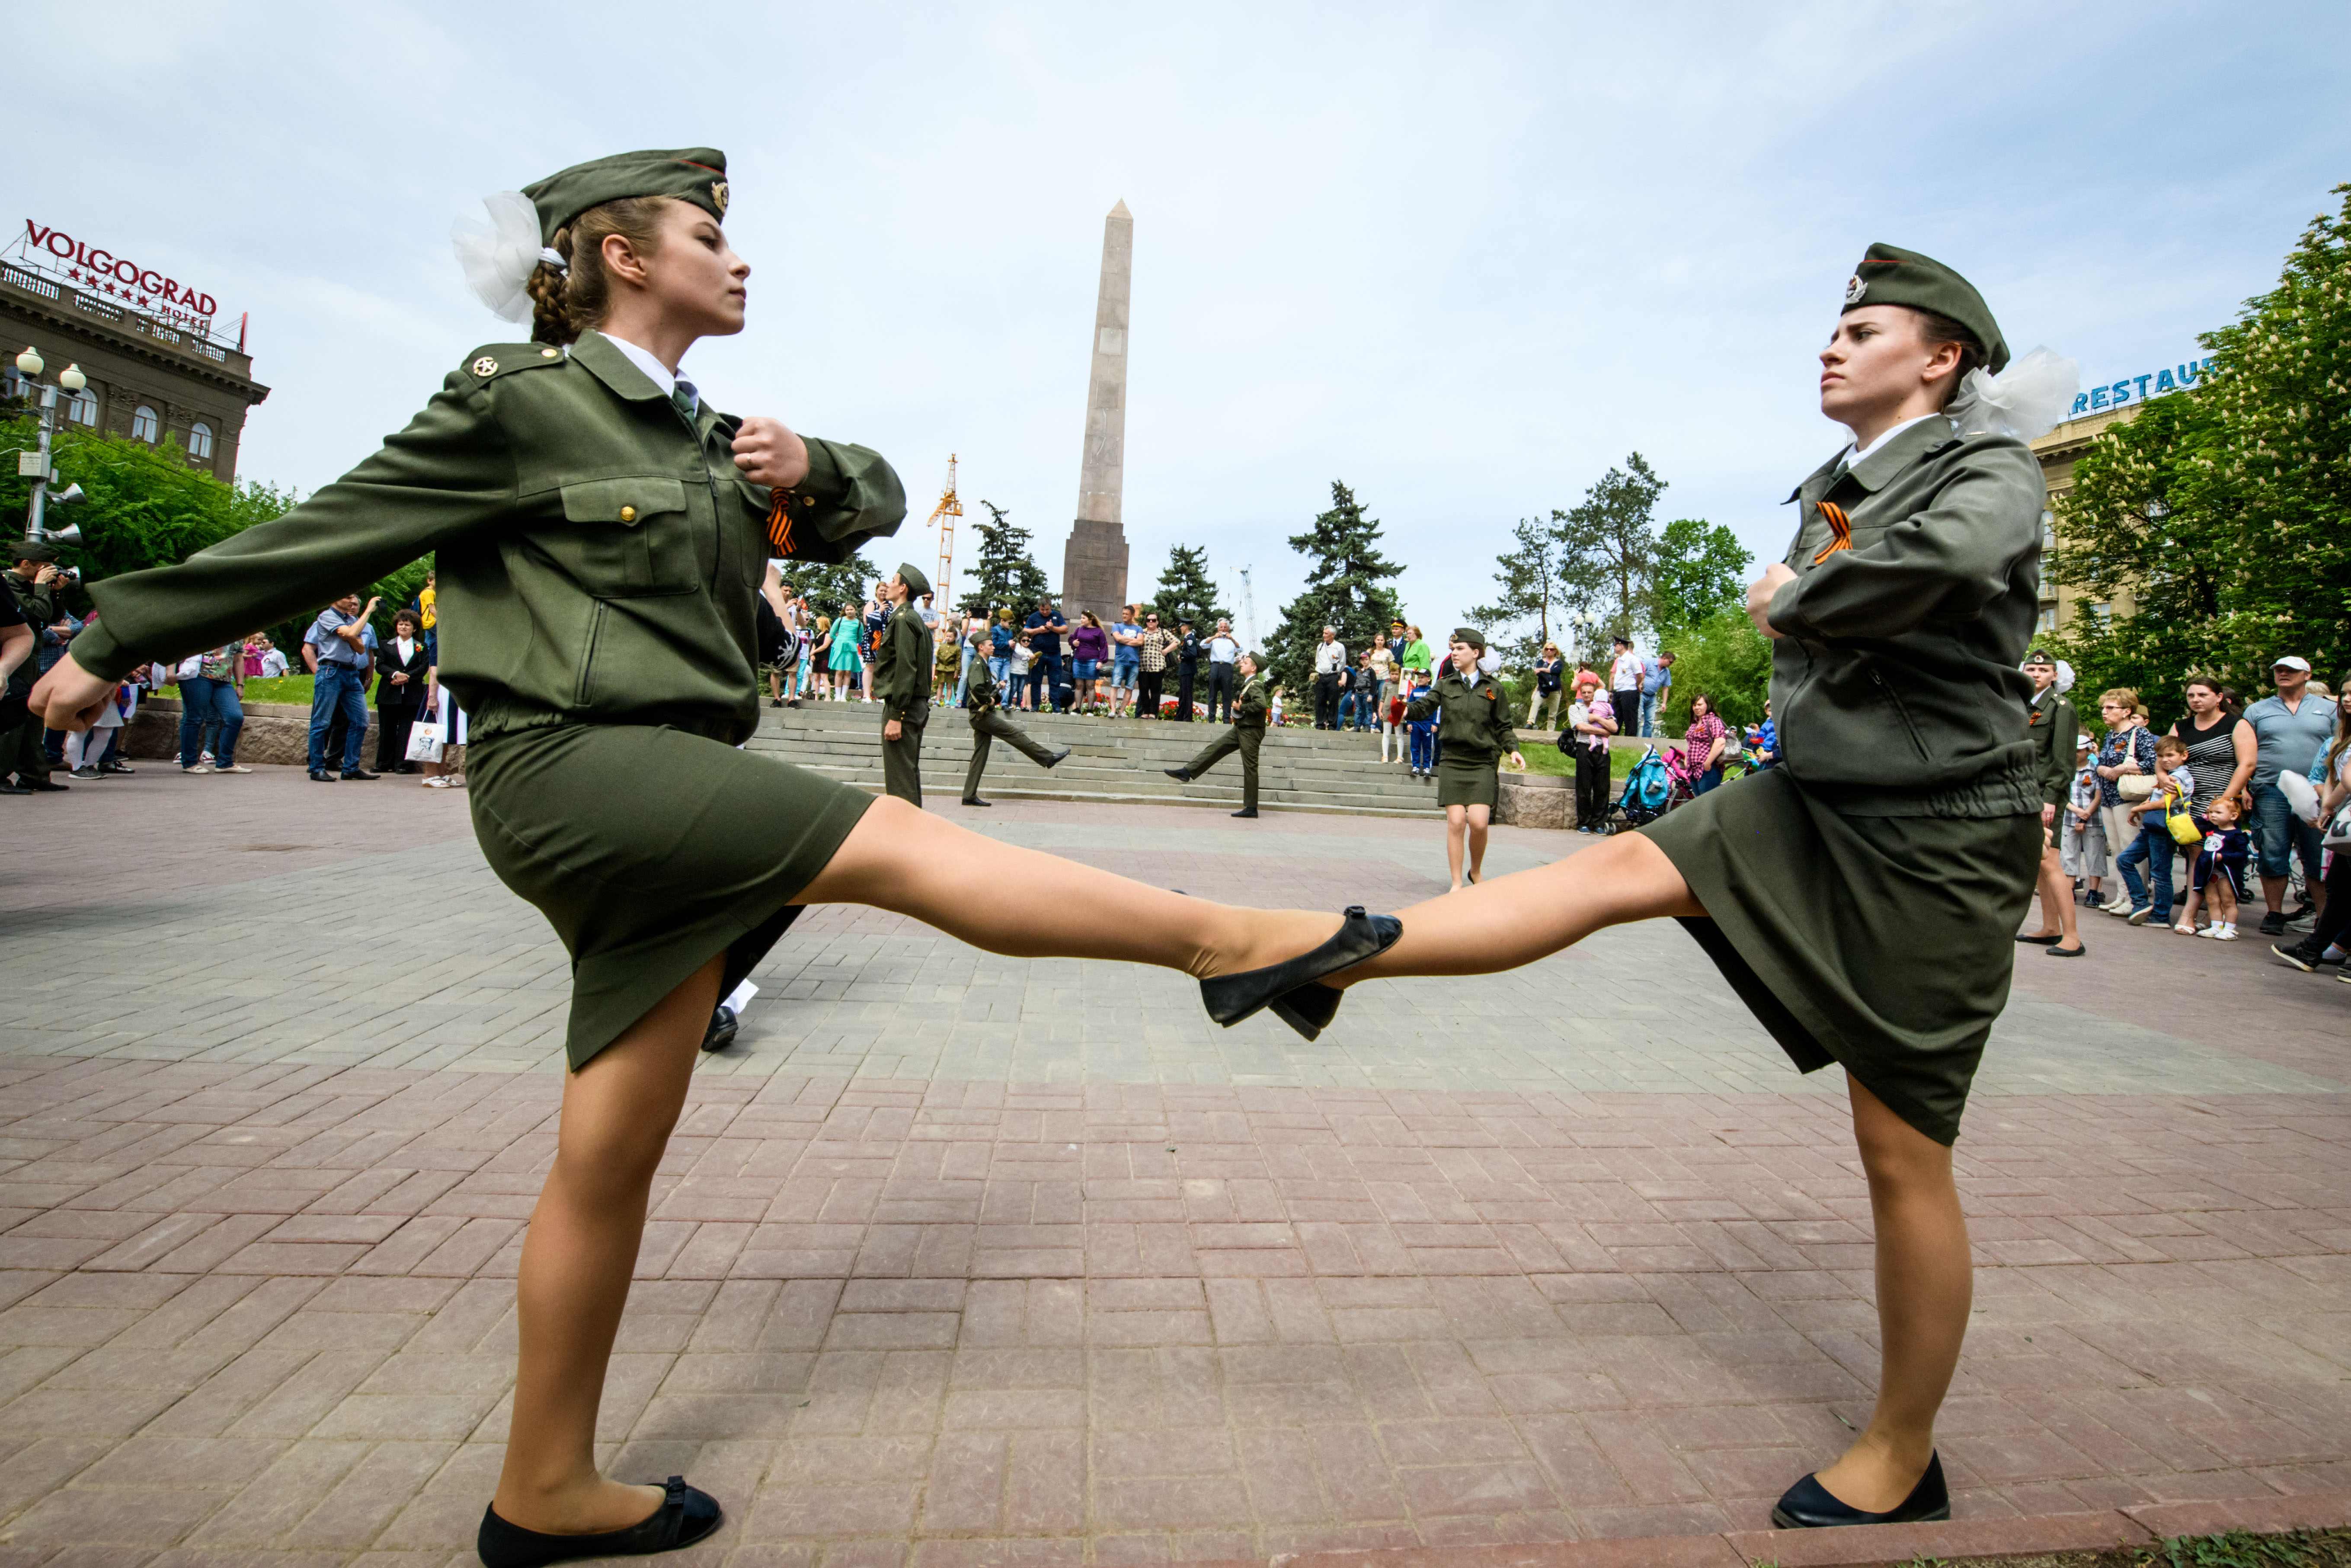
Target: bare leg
(2057,901)
(1456,823)
(1531,915)
(1037,905)
(1926,1284)
(1479,817)
(575,1262)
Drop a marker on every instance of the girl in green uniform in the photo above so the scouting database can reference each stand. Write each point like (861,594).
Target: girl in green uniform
(1474,733)
(1860,897)
(601,533)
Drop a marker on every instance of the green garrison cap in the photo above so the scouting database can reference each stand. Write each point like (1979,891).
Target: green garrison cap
(1888,274)
(696,174)
(33,550)
(1471,635)
(911,576)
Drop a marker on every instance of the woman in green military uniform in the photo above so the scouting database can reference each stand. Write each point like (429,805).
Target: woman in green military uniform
(1861,896)
(902,685)
(1474,733)
(601,533)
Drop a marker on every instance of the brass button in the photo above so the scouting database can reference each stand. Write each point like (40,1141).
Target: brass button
(550,353)
(628,513)
(808,500)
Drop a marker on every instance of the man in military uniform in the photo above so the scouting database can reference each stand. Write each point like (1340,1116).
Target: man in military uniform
(989,723)
(901,683)
(1189,650)
(1247,734)
(33,579)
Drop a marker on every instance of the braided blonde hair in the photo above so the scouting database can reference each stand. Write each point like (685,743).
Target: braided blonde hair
(567,301)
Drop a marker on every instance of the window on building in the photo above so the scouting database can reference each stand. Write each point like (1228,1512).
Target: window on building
(83,409)
(2048,621)
(145,427)
(200,440)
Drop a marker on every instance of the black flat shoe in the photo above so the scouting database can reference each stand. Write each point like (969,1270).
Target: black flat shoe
(724,1024)
(684,1517)
(976,800)
(1251,812)
(2064,952)
(2039,941)
(1310,1008)
(1808,1505)
(1232,997)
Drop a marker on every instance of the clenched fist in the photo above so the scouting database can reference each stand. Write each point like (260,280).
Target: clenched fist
(768,454)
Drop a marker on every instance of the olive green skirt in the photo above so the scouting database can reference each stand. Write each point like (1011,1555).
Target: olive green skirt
(1463,782)
(651,851)
(1884,944)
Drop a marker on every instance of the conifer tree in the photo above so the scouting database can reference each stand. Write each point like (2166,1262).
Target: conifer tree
(1005,575)
(1527,580)
(1346,588)
(1187,591)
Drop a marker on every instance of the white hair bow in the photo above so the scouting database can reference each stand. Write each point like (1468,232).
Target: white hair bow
(2024,400)
(499,255)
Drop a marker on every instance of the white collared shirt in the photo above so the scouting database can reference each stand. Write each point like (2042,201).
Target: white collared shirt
(656,372)
(1854,459)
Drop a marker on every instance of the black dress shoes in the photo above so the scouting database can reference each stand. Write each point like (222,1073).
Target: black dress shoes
(1808,1505)
(1246,811)
(723,1022)
(359,773)
(8,788)
(2031,941)
(1232,997)
(48,787)
(976,800)
(1061,757)
(1181,775)
(684,1517)
(317,776)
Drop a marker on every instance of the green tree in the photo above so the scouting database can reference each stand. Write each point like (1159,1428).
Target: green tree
(837,589)
(1527,585)
(1608,546)
(1005,575)
(1187,591)
(1345,588)
(2222,513)
(1701,570)
(1723,656)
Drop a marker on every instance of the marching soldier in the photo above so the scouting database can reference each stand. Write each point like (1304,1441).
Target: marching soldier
(989,723)
(901,683)
(1474,733)
(1247,734)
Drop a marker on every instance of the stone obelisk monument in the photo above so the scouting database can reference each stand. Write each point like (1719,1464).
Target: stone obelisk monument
(1094,565)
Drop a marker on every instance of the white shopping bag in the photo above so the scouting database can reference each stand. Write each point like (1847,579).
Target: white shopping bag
(424,742)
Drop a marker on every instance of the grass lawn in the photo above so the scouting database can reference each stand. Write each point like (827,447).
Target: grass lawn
(1545,757)
(279,689)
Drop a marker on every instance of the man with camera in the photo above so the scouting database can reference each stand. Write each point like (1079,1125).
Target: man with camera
(35,580)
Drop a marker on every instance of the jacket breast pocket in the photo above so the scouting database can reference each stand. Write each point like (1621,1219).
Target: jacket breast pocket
(627,537)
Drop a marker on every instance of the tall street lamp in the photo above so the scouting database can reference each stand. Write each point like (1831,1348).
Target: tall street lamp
(36,465)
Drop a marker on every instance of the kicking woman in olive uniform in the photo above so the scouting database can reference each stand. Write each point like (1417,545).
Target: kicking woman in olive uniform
(1862,896)
(601,533)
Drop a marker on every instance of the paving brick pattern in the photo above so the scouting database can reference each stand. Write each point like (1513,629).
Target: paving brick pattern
(1078,1278)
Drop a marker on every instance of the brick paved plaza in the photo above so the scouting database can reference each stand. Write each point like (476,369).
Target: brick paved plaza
(958,1259)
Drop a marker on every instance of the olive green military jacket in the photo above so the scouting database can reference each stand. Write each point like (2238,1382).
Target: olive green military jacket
(1471,721)
(1251,706)
(598,553)
(978,686)
(38,600)
(1894,681)
(2053,726)
(902,667)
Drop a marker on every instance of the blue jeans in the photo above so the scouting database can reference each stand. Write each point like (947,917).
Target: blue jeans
(1424,746)
(963,673)
(338,688)
(999,667)
(203,704)
(1124,669)
(1649,712)
(1706,780)
(2153,844)
(2279,835)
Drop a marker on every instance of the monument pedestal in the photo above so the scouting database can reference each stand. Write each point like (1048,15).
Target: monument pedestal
(1093,569)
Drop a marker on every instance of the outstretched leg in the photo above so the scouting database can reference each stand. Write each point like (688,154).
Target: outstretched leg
(1038,905)
(1529,915)
(1926,1284)
(576,1262)
(1457,827)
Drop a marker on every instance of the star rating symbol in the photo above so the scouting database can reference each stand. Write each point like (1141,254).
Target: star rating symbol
(142,299)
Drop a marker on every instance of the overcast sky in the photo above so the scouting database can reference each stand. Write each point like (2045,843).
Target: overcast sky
(1462,257)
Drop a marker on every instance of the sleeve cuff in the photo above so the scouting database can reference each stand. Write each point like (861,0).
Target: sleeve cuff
(1781,611)
(824,483)
(96,651)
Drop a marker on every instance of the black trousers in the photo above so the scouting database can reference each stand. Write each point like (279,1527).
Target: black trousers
(1628,711)
(1326,701)
(1147,685)
(1186,674)
(1591,802)
(1220,692)
(393,724)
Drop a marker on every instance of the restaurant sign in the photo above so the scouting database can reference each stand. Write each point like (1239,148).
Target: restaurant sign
(2138,389)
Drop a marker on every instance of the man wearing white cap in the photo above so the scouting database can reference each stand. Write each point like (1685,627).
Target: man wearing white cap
(2288,729)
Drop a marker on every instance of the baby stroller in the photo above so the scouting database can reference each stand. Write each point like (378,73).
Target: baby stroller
(1649,792)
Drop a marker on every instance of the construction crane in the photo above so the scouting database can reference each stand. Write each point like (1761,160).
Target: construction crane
(949,508)
(1249,607)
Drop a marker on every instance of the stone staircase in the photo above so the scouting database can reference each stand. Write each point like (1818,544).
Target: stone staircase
(1117,759)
